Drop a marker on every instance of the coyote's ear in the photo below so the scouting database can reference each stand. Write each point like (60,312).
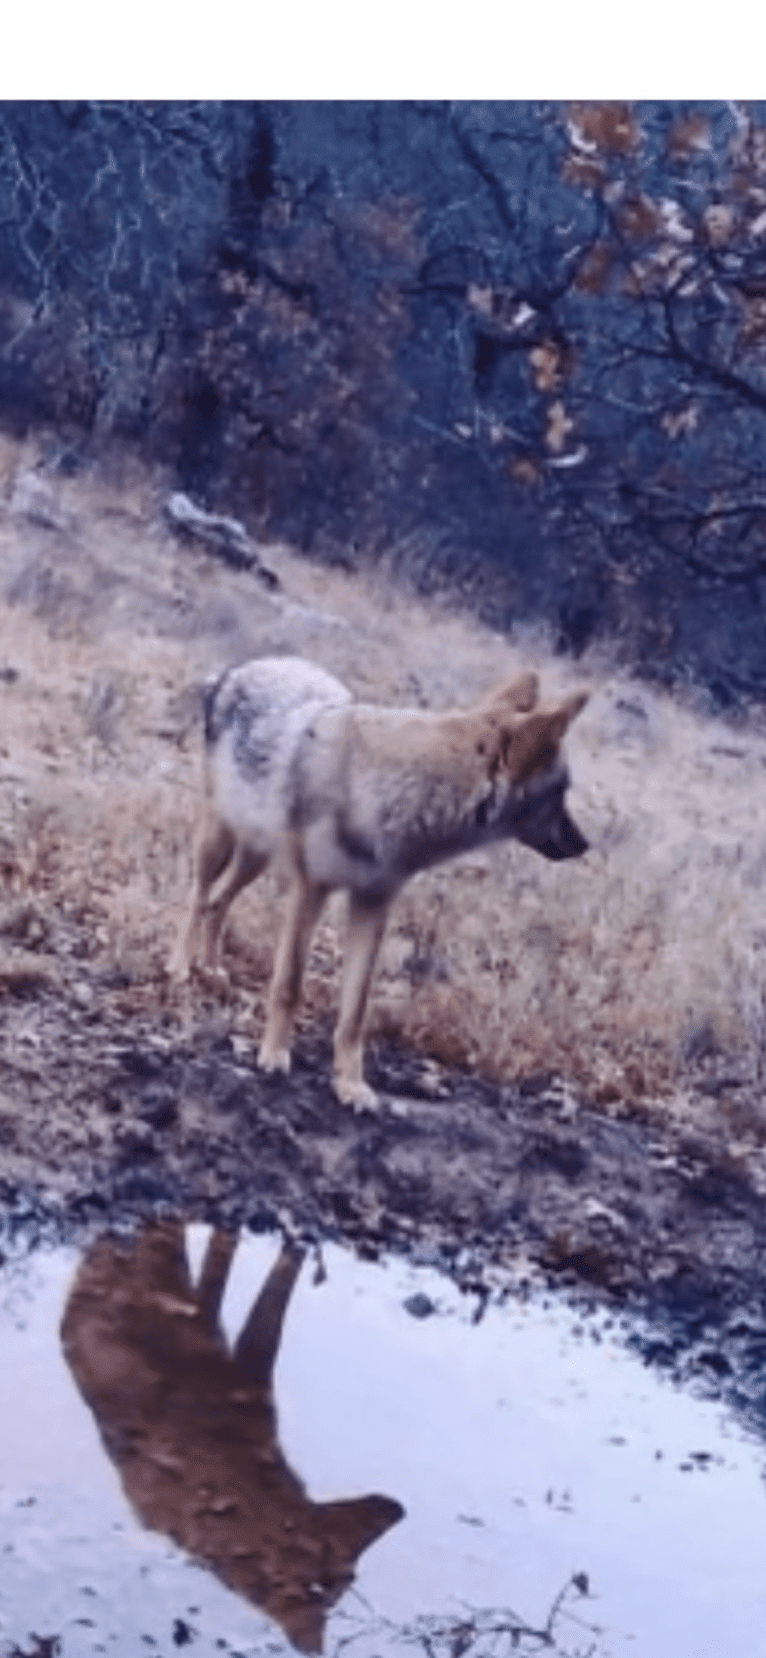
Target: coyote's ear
(564,712)
(575,702)
(531,742)
(514,696)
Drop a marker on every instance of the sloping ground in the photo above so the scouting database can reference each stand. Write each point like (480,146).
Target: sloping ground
(570,1058)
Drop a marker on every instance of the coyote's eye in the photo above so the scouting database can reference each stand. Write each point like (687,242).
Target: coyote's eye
(480,748)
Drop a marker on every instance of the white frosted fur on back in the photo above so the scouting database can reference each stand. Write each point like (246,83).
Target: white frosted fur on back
(294,694)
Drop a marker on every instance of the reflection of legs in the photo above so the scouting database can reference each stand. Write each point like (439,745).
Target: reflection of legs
(216,845)
(156,1261)
(366,922)
(304,906)
(245,866)
(215,1271)
(258,1343)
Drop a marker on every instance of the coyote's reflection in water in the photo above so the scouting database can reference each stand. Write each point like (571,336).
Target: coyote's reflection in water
(192,1424)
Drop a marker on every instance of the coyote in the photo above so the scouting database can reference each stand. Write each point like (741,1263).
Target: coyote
(191,1424)
(355,796)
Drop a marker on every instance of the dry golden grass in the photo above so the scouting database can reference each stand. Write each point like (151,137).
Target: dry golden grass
(608,970)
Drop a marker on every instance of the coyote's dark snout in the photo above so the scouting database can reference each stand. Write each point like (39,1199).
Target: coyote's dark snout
(565,841)
(547,827)
(350,795)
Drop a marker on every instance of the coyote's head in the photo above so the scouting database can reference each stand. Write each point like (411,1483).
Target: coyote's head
(528,774)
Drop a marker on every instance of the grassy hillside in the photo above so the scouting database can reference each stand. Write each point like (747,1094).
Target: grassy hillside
(625,972)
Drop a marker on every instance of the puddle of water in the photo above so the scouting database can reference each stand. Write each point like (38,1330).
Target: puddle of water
(504,1457)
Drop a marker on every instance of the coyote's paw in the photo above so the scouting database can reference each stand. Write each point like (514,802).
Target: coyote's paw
(356,1093)
(178,967)
(273,1059)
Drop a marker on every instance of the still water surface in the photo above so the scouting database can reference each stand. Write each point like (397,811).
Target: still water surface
(439,1469)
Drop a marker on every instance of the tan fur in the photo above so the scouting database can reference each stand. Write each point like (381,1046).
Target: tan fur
(192,1425)
(353,796)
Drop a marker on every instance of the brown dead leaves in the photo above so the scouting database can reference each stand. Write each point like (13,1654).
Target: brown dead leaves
(610,128)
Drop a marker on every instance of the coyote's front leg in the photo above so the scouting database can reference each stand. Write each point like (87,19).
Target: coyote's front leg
(366,925)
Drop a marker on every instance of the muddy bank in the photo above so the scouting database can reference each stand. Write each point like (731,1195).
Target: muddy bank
(109,1112)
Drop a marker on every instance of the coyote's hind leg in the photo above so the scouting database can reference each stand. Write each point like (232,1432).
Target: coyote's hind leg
(304,906)
(214,850)
(245,866)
